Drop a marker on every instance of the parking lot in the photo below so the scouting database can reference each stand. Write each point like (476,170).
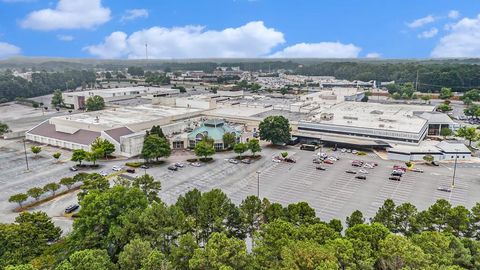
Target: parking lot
(333,193)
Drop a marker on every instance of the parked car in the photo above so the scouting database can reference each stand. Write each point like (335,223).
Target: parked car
(246,161)
(363,171)
(332,159)
(71,208)
(289,160)
(444,189)
(350,171)
(397,173)
(356,163)
(368,166)
(417,170)
(396,167)
(321,168)
(103,173)
(317,161)
(196,164)
(395,178)
(179,165)
(362,177)
(276,160)
(131,170)
(173,168)
(233,161)
(354,151)
(323,155)
(73,169)
(116,168)
(434,163)
(328,161)
(144,166)
(343,150)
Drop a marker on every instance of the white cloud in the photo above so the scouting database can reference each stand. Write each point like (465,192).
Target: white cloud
(421,22)
(250,40)
(453,14)
(462,41)
(7,50)
(319,50)
(18,1)
(132,14)
(428,34)
(65,37)
(373,55)
(69,14)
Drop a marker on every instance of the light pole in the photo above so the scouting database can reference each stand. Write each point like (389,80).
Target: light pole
(258,184)
(25,152)
(455,168)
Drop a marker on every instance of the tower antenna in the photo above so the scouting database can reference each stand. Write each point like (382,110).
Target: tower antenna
(146,51)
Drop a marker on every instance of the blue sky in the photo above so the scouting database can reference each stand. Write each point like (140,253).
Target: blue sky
(240,28)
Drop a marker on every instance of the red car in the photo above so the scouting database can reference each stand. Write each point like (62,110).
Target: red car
(328,161)
(396,167)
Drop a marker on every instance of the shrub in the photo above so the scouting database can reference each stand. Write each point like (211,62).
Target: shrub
(360,153)
(134,164)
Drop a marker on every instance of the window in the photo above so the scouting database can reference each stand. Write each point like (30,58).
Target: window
(218,146)
(178,145)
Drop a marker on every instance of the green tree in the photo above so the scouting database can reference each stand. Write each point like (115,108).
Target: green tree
(86,260)
(300,213)
(355,218)
(93,156)
(406,219)
(428,158)
(254,146)
(19,198)
(398,252)
(103,146)
(3,128)
(204,149)
(240,148)
(219,252)
(51,187)
(251,211)
(91,182)
(68,182)
(155,147)
(149,186)
(386,214)
(229,140)
(275,129)
(472,110)
(436,245)
(156,130)
(468,133)
(35,193)
(307,255)
(445,93)
(42,225)
(79,155)
(444,107)
(102,214)
(133,254)
(20,267)
(183,251)
(56,155)
(36,149)
(95,103)
(344,252)
(57,99)
(445,132)
(156,261)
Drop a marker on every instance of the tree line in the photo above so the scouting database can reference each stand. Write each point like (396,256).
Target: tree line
(42,83)
(127,226)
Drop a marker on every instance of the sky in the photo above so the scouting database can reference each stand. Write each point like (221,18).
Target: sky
(119,29)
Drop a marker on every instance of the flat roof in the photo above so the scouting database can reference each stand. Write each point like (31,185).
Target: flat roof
(117,90)
(122,116)
(84,137)
(389,117)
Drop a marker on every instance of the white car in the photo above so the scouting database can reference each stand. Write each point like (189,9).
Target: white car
(276,160)
(102,173)
(323,155)
(233,161)
(368,166)
(343,150)
(363,171)
(354,151)
(116,168)
(332,159)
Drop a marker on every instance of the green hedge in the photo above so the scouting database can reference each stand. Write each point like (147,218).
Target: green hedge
(134,164)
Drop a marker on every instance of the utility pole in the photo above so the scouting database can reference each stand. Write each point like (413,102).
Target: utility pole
(454,168)
(25,151)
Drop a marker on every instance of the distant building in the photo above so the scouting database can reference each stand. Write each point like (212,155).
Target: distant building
(214,129)
(440,151)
